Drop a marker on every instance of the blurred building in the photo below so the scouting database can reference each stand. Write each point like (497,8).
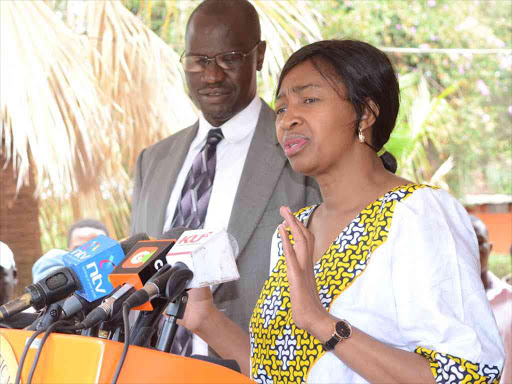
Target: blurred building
(496,212)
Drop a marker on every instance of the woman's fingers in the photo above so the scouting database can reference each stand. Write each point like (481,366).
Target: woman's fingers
(304,239)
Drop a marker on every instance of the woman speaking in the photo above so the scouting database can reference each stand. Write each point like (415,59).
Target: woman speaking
(380,282)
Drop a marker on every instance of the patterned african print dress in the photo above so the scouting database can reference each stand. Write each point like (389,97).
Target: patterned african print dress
(405,271)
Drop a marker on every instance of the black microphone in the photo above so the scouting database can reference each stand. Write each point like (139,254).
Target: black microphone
(128,244)
(57,286)
(109,307)
(147,321)
(155,286)
(143,261)
(76,303)
(85,272)
(210,255)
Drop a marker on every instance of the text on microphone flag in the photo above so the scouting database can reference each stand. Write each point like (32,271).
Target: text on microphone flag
(93,262)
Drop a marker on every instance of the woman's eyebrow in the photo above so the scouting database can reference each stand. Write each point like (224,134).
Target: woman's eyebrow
(300,88)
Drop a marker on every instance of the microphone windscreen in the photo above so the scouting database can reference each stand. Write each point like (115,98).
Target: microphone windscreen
(173,233)
(129,243)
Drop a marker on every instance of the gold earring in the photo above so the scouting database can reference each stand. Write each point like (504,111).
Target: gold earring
(361,137)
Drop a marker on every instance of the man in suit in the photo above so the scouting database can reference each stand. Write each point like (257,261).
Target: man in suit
(252,178)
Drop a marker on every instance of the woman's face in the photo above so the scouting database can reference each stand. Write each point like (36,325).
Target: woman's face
(315,125)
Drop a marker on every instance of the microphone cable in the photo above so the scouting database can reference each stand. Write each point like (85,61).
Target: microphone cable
(126,312)
(43,340)
(47,333)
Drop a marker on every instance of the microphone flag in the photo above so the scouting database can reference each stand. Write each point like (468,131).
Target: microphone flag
(93,262)
(210,254)
(141,263)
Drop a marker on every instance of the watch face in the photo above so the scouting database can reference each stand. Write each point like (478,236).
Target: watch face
(343,329)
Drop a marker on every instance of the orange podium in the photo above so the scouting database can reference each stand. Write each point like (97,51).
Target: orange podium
(79,359)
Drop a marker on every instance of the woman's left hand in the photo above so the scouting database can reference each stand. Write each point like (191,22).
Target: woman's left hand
(307,310)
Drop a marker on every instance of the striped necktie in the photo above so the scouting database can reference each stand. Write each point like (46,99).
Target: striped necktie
(195,195)
(191,211)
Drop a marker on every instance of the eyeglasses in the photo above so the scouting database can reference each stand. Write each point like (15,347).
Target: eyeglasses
(228,61)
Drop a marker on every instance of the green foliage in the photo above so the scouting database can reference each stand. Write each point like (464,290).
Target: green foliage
(500,265)
(461,138)
(473,119)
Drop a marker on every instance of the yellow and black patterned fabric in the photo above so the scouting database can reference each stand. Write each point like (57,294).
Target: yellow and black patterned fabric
(451,369)
(283,353)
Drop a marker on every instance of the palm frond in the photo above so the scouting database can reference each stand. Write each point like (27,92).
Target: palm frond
(51,104)
(285,26)
(140,74)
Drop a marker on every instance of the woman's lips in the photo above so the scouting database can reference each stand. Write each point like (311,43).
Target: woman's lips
(294,145)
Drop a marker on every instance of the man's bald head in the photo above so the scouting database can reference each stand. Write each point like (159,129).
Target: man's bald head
(237,12)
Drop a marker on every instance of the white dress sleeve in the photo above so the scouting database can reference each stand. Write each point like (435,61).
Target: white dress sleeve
(441,305)
(274,250)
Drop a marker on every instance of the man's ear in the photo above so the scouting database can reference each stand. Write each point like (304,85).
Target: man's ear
(261,55)
(371,112)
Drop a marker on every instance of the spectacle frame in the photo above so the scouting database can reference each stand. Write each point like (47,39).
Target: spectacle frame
(226,61)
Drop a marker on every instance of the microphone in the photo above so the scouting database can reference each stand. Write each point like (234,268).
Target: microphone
(57,286)
(155,286)
(93,262)
(144,261)
(128,243)
(77,304)
(109,306)
(86,271)
(209,254)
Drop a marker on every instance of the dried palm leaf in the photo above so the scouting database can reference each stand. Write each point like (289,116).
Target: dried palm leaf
(52,106)
(285,25)
(141,76)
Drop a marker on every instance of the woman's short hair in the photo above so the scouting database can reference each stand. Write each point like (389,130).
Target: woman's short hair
(366,73)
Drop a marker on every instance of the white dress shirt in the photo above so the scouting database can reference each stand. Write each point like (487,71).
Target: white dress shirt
(231,155)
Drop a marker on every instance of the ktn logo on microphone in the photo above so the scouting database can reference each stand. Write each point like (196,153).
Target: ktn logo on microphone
(140,257)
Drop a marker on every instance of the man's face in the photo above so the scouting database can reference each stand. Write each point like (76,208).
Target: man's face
(83,235)
(8,280)
(219,93)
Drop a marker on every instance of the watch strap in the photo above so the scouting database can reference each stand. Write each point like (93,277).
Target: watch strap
(336,338)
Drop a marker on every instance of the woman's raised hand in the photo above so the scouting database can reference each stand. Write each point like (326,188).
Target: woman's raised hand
(307,309)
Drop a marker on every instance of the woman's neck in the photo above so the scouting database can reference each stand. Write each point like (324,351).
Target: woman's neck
(355,181)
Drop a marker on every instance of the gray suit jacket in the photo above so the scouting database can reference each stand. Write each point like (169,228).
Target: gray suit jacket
(267,183)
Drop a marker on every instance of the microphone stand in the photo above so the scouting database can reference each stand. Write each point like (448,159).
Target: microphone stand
(51,315)
(146,324)
(175,310)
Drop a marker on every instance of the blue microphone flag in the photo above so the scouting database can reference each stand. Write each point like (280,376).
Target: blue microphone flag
(93,262)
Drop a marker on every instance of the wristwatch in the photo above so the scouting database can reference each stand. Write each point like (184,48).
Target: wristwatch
(342,331)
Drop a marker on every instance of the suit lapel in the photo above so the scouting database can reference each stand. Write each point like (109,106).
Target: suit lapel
(165,176)
(263,166)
